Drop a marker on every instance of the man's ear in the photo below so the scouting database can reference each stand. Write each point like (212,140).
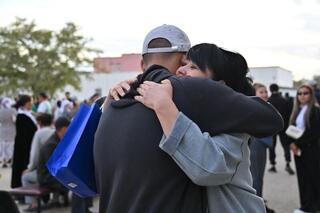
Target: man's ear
(142,65)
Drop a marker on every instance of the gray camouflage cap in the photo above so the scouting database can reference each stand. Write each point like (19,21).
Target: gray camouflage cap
(178,39)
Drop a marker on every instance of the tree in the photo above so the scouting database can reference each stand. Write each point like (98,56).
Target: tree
(36,60)
(297,84)
(317,79)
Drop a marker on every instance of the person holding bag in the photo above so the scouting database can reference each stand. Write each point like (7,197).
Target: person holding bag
(306,117)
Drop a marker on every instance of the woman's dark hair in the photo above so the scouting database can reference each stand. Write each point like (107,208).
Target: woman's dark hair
(43,95)
(224,65)
(23,99)
(59,103)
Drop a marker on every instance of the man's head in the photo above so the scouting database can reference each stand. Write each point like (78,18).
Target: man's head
(165,45)
(42,96)
(44,119)
(61,125)
(274,88)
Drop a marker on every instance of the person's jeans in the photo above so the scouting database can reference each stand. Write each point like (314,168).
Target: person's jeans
(27,179)
(258,157)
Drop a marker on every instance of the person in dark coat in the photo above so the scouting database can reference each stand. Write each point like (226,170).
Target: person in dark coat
(26,126)
(306,116)
(289,100)
(282,105)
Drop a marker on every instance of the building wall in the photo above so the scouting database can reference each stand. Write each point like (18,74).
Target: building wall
(100,82)
(285,78)
(124,63)
(270,75)
(265,76)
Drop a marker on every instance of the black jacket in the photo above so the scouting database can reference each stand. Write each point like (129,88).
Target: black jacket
(25,129)
(134,175)
(283,106)
(45,179)
(311,135)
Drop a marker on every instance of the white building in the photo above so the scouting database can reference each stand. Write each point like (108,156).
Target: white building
(102,82)
(99,83)
(273,75)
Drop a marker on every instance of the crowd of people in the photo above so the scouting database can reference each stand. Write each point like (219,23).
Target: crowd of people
(30,130)
(209,132)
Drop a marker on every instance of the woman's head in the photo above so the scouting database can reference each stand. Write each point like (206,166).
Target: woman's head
(211,61)
(25,102)
(261,91)
(305,97)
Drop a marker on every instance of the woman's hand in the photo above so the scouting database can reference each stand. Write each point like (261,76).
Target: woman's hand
(120,89)
(295,149)
(155,96)
(159,98)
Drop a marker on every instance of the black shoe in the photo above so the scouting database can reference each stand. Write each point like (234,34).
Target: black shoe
(273,169)
(268,210)
(31,208)
(289,169)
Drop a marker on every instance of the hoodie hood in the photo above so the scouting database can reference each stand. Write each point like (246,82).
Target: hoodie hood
(155,73)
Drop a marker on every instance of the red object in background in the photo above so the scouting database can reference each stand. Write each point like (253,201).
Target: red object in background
(124,63)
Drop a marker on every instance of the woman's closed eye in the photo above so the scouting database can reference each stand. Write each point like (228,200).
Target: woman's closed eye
(194,67)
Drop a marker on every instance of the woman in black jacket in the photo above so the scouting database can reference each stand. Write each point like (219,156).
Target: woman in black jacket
(306,116)
(26,126)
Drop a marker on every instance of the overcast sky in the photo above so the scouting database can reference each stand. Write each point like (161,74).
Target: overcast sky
(282,33)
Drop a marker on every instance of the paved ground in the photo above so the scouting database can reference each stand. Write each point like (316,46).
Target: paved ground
(280,189)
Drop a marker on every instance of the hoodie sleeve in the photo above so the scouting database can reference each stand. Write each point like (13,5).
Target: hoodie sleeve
(217,109)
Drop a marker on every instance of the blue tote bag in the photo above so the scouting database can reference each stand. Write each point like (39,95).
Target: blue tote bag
(72,161)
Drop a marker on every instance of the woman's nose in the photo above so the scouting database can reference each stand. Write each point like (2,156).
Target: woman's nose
(181,71)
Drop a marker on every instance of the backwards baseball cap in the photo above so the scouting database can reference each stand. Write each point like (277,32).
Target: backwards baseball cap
(178,39)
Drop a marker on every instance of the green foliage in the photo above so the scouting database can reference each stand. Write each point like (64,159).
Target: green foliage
(297,84)
(36,60)
(317,79)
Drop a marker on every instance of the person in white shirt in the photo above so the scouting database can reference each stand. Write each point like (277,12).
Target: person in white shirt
(44,106)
